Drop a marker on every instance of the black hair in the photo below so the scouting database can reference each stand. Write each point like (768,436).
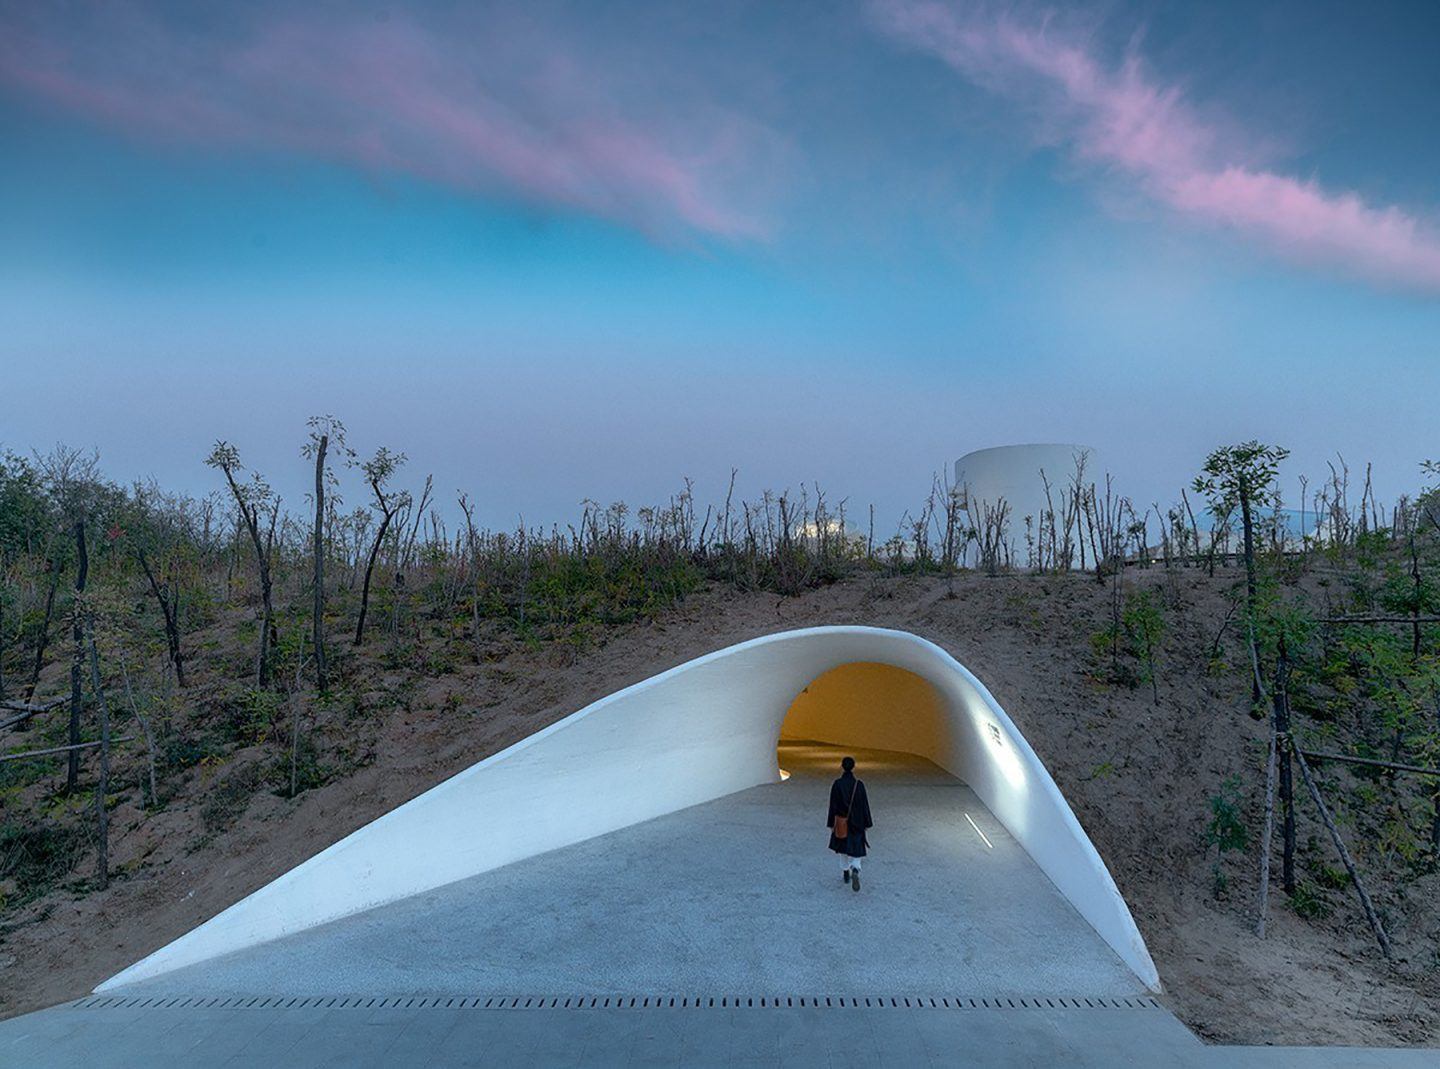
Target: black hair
(848,764)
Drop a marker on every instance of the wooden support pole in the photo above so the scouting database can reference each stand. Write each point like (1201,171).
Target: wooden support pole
(102,786)
(322,679)
(1406,620)
(26,711)
(144,726)
(31,708)
(1267,832)
(77,659)
(1370,914)
(62,749)
(1419,770)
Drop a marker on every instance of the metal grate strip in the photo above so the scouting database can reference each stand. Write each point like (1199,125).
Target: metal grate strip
(613,1002)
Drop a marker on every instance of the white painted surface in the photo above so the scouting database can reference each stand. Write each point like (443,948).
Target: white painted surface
(1012,473)
(700,731)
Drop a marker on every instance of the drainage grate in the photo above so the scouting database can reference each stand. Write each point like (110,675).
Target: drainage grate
(614,1002)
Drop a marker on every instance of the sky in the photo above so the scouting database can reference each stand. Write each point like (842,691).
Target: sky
(556,251)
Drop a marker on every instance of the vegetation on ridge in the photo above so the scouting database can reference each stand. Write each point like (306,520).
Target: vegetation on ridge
(199,620)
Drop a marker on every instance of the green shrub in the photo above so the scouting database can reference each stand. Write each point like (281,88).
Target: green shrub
(179,752)
(1332,877)
(17,774)
(1309,902)
(230,797)
(251,719)
(1225,831)
(310,772)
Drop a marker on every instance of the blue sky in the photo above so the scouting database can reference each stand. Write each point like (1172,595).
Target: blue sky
(554,256)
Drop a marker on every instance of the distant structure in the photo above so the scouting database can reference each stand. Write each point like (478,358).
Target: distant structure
(1003,491)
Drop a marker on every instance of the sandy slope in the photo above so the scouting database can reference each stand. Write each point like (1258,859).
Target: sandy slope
(1138,774)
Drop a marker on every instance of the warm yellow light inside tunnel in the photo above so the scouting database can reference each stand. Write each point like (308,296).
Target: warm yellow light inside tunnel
(870,706)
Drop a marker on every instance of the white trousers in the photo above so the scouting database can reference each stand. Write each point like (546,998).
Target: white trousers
(847,862)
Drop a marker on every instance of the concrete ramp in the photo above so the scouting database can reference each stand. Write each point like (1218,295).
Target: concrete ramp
(735,898)
(718,935)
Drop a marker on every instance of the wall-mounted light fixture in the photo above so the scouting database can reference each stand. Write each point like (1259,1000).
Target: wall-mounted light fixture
(1006,758)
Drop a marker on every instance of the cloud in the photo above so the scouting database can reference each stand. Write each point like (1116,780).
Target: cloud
(471,106)
(1120,118)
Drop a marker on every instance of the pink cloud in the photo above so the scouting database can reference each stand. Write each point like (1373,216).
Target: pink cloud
(448,106)
(1120,118)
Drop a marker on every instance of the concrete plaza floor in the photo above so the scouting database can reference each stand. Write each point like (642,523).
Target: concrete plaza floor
(955,952)
(308,1037)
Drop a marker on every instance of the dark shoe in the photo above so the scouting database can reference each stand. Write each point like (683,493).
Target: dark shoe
(846,876)
(855,880)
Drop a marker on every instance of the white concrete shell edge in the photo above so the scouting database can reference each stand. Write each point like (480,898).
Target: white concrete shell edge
(697,732)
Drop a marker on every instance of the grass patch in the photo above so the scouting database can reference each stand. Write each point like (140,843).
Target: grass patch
(36,859)
(230,797)
(1309,902)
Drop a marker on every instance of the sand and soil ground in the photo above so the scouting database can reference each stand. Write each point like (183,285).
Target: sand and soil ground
(1139,772)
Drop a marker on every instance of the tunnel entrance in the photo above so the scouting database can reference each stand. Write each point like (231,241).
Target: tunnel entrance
(896,718)
(706,732)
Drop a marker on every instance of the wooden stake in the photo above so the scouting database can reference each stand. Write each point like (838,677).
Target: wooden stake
(1370,915)
(1267,833)
(26,711)
(102,817)
(77,658)
(60,749)
(1419,770)
(1406,620)
(145,727)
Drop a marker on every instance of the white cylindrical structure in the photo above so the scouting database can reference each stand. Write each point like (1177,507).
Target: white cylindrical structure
(1005,486)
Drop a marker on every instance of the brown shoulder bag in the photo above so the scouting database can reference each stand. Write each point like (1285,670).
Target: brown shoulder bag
(842,824)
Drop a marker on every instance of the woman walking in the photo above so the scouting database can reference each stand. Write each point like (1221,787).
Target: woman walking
(848,819)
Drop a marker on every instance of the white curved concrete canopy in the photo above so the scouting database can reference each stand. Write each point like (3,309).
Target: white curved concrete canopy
(697,732)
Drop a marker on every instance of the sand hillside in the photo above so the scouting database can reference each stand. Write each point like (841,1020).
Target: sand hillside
(1138,774)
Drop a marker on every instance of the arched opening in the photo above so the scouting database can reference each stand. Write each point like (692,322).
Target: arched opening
(899,727)
(940,770)
(872,706)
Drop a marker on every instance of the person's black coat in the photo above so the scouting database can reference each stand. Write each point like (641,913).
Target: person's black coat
(840,799)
